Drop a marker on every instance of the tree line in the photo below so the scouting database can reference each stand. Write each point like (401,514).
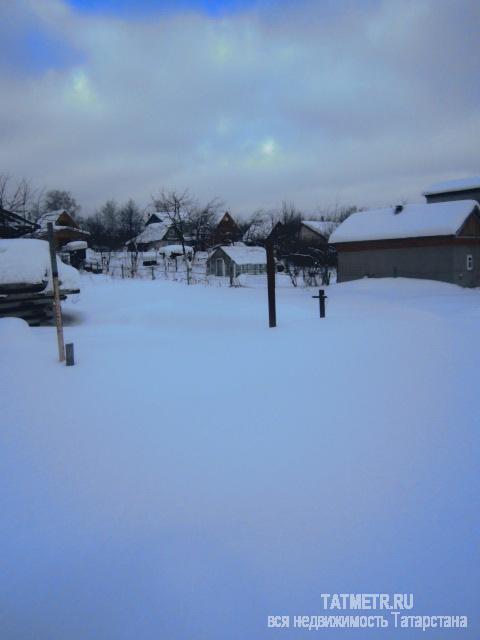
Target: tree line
(113,224)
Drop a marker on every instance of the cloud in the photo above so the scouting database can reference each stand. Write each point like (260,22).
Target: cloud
(364,105)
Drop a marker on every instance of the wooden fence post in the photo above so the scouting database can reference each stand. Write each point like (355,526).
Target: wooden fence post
(56,294)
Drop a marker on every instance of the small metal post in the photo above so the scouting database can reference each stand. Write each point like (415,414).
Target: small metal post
(321,302)
(70,354)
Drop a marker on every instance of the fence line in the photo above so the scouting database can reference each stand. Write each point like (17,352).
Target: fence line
(145,267)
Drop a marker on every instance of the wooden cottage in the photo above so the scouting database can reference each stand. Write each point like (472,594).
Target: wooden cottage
(234,260)
(227,231)
(65,229)
(439,241)
(159,232)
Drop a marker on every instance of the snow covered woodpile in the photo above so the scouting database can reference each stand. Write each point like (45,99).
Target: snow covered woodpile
(462,189)
(234,260)
(26,287)
(438,241)
(65,229)
(13,225)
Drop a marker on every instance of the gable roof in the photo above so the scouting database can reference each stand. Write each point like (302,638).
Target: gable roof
(246,255)
(53,216)
(322,227)
(450,186)
(153,232)
(413,221)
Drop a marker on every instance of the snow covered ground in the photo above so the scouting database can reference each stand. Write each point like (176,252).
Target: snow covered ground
(196,472)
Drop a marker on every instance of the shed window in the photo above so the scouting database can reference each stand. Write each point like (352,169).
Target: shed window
(469,262)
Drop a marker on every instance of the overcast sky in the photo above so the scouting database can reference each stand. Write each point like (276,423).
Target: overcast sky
(318,102)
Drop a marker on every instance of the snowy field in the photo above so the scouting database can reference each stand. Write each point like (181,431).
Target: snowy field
(196,472)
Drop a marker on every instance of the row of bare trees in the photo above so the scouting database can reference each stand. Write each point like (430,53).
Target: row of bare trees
(193,222)
(19,196)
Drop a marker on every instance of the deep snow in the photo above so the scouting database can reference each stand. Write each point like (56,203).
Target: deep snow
(196,472)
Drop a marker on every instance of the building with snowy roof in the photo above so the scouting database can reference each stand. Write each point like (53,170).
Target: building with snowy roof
(159,232)
(462,189)
(438,241)
(234,260)
(65,229)
(227,231)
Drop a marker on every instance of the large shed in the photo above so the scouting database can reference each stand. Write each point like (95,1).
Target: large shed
(234,260)
(438,241)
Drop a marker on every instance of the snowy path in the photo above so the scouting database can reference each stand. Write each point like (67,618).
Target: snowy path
(196,471)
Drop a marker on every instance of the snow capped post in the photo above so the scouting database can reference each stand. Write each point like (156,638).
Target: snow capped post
(272,312)
(56,294)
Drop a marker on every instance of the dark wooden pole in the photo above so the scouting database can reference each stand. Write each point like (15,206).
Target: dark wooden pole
(321,302)
(272,311)
(56,294)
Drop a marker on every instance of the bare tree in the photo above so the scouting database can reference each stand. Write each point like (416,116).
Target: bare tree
(259,226)
(17,196)
(201,221)
(176,207)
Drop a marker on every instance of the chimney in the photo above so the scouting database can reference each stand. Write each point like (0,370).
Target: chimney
(398,209)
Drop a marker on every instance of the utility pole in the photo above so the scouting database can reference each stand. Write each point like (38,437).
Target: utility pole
(56,294)
(272,311)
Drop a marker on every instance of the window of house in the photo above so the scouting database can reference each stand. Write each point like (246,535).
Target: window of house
(469,262)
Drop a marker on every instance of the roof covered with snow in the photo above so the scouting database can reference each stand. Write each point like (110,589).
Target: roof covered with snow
(246,255)
(462,184)
(414,220)
(52,216)
(323,227)
(153,232)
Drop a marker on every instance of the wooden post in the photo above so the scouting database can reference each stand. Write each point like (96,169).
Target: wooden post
(272,311)
(56,294)
(122,272)
(321,302)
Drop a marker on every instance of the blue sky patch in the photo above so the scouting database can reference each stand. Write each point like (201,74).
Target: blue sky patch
(132,8)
